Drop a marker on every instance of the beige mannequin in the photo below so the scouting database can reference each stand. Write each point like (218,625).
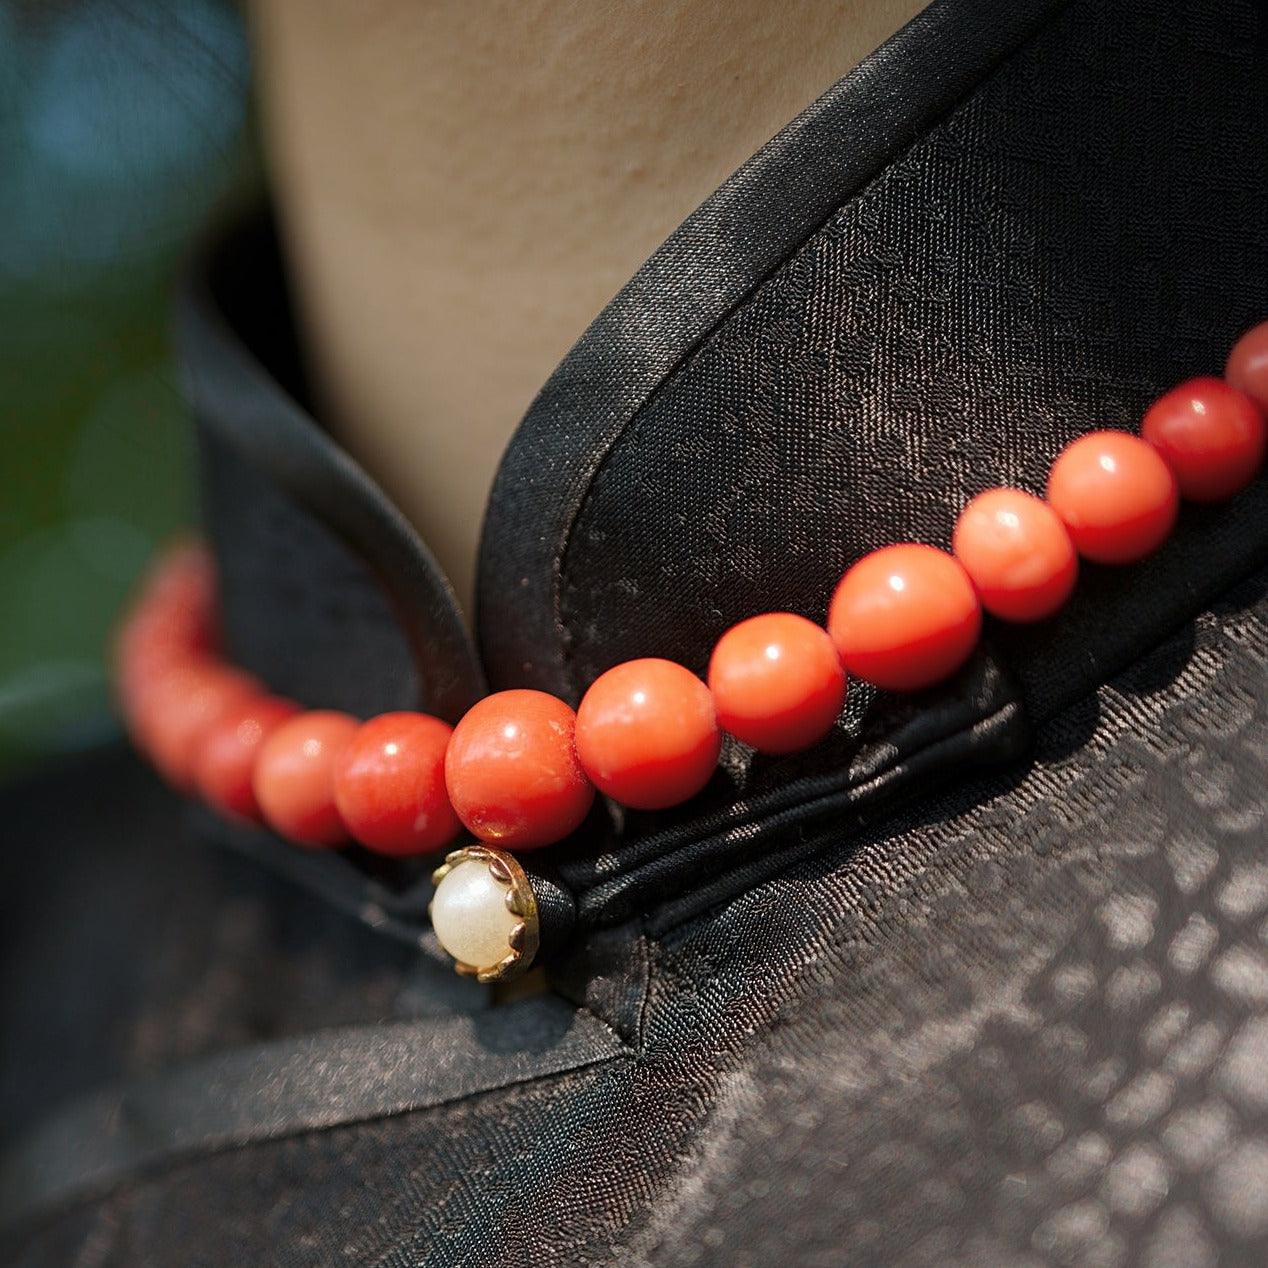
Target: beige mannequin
(464,185)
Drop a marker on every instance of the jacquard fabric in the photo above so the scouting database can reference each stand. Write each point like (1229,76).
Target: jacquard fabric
(1072,237)
(1015,1011)
(1025,1024)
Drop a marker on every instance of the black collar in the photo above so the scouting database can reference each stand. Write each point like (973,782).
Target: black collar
(914,292)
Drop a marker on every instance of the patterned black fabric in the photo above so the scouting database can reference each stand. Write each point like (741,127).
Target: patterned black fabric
(1016,1011)
(1082,230)
(1024,1024)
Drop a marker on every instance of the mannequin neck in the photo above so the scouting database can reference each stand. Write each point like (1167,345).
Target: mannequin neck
(462,196)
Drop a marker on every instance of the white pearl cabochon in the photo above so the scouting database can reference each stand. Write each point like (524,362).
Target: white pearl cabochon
(469,915)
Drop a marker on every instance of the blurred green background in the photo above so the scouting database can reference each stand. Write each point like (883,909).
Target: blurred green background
(122,127)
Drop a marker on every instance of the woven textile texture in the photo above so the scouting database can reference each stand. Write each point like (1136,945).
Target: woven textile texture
(1015,1013)
(1026,1024)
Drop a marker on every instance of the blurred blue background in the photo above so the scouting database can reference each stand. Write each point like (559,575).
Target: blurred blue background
(123,126)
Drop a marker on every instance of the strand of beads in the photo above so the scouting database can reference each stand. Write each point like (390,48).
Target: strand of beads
(521,769)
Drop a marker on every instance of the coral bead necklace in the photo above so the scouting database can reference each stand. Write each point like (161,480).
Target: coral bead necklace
(520,770)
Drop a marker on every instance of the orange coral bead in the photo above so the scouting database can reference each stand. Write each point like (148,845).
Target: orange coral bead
(904,617)
(1211,436)
(225,760)
(512,770)
(1247,367)
(150,643)
(294,777)
(1115,495)
(1017,554)
(172,622)
(777,682)
(182,576)
(170,714)
(647,734)
(390,785)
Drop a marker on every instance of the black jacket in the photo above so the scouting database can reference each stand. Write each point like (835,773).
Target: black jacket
(981,979)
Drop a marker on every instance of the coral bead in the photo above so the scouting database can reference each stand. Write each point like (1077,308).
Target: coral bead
(1211,436)
(152,642)
(171,714)
(182,577)
(225,760)
(172,623)
(1115,495)
(512,770)
(294,777)
(647,734)
(1247,367)
(904,617)
(390,785)
(1017,554)
(777,682)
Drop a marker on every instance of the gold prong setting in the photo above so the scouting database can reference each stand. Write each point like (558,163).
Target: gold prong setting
(485,914)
